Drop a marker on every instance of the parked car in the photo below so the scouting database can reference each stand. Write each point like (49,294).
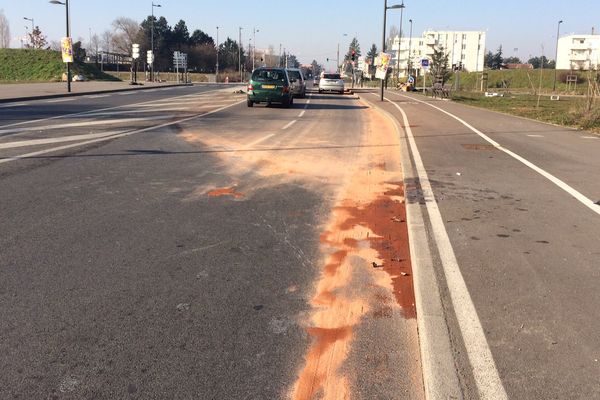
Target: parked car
(298,82)
(270,85)
(331,83)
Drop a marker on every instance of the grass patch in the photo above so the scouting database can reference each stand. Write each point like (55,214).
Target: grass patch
(29,65)
(568,111)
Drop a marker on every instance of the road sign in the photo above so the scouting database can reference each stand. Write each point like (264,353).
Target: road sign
(382,62)
(135,51)
(149,57)
(425,63)
(180,59)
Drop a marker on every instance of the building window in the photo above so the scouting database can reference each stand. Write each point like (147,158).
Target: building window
(464,46)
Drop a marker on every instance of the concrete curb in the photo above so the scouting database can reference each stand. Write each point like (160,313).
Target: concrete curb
(55,96)
(440,378)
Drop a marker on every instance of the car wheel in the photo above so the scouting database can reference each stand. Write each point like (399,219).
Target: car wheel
(250,103)
(291,101)
(286,103)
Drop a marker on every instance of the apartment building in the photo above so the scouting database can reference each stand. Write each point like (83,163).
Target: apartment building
(466,48)
(578,52)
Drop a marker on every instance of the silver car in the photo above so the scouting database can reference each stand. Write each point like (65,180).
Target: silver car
(298,82)
(331,83)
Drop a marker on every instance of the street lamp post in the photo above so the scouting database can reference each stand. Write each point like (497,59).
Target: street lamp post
(254,47)
(409,64)
(152,42)
(402,7)
(556,57)
(32,28)
(66,4)
(217,69)
(240,53)
(338,69)
(385,8)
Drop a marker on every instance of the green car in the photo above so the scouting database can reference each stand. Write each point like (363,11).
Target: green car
(270,85)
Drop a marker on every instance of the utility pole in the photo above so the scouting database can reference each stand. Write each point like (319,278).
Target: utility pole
(240,53)
(556,57)
(409,63)
(254,46)
(217,69)
(152,42)
(279,55)
(383,40)
(400,40)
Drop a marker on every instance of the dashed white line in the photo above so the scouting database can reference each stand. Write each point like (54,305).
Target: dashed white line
(13,105)
(301,114)
(60,100)
(289,124)
(590,137)
(125,93)
(535,135)
(97,96)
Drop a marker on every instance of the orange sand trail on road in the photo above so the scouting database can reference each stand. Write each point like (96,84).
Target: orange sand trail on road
(365,227)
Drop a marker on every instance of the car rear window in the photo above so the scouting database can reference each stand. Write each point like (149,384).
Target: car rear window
(332,76)
(294,74)
(268,75)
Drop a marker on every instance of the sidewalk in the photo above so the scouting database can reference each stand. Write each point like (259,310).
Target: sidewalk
(31,91)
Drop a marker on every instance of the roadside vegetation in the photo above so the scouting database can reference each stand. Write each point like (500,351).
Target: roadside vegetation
(38,65)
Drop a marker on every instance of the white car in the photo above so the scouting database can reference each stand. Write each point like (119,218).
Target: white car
(331,83)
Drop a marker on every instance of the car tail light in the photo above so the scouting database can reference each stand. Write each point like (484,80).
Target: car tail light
(250,88)
(286,89)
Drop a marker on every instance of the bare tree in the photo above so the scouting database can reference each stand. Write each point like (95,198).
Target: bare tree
(95,45)
(126,29)
(4,31)
(107,41)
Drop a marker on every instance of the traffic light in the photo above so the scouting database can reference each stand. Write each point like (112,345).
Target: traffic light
(353,55)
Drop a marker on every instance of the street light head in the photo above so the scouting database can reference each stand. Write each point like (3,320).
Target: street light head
(394,7)
(410,20)
(57,2)
(560,22)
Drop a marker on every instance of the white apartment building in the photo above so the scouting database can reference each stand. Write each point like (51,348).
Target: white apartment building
(578,52)
(463,47)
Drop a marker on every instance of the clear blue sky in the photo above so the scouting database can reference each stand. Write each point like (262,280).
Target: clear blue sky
(312,28)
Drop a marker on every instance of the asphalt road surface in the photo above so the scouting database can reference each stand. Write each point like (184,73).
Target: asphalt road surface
(519,202)
(175,244)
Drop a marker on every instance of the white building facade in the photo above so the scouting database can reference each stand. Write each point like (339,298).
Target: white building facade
(578,52)
(466,48)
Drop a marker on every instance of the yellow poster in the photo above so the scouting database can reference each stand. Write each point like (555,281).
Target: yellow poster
(382,62)
(66,45)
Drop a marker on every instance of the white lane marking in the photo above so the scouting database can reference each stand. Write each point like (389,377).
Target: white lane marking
(289,124)
(126,93)
(151,128)
(567,188)
(301,113)
(13,105)
(535,135)
(262,139)
(97,96)
(589,137)
(37,142)
(32,121)
(60,100)
(79,124)
(480,356)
